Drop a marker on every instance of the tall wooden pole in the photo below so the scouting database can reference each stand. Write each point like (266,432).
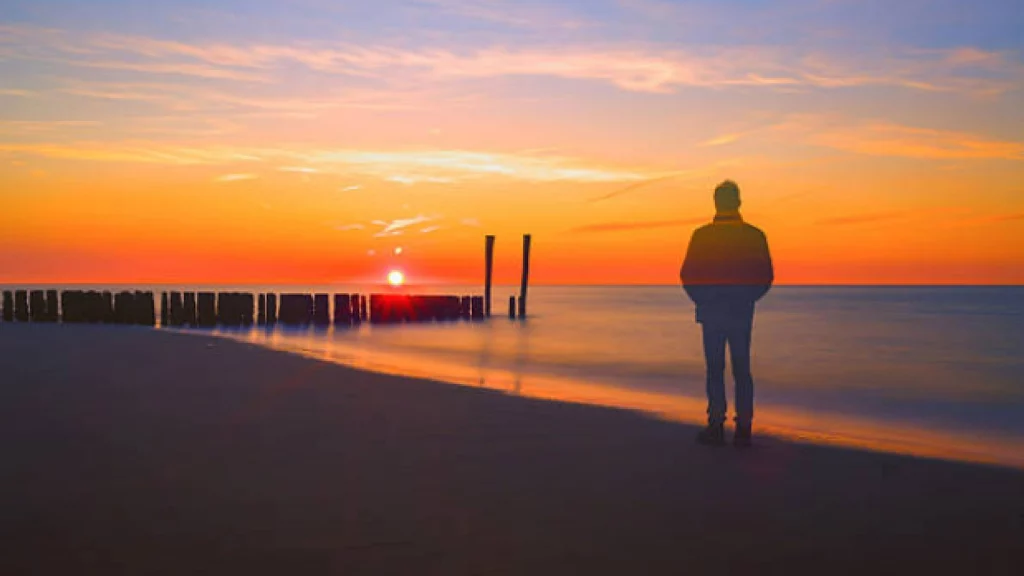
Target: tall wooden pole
(526,276)
(489,255)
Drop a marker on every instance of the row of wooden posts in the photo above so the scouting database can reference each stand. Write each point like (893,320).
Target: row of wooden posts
(208,309)
(73,306)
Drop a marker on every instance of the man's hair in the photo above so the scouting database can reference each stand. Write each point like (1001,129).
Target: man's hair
(727,196)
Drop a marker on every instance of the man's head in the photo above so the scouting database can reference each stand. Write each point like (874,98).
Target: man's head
(727,197)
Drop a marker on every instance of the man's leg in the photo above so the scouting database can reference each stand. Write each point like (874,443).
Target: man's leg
(739,353)
(714,359)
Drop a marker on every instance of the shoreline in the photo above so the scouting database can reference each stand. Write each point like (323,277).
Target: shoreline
(783,422)
(142,451)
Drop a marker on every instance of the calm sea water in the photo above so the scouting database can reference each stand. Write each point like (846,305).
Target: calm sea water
(932,370)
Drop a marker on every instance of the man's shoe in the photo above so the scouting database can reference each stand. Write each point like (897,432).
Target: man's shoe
(741,439)
(713,435)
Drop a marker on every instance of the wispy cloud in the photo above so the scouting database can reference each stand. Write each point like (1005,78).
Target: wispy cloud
(397,227)
(410,180)
(235,177)
(886,139)
(988,220)
(627,226)
(350,227)
(35,126)
(631,188)
(298,169)
(430,229)
(352,188)
(629,66)
(189,98)
(471,222)
(437,166)
(515,14)
(722,140)
(688,174)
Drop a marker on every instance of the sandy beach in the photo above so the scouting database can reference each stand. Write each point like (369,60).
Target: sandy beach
(134,451)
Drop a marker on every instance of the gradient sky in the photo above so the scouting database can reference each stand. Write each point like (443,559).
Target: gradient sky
(256,141)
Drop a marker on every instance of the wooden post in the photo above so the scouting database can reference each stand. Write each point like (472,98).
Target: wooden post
(189,305)
(206,309)
(356,306)
(224,309)
(526,276)
(8,306)
(512,307)
(106,306)
(296,309)
(52,306)
(321,310)
(177,312)
(145,309)
(67,306)
(21,305)
(98,307)
(246,301)
(124,307)
(261,311)
(37,306)
(489,256)
(165,310)
(271,309)
(342,309)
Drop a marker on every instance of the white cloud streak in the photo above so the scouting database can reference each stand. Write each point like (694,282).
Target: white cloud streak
(435,166)
(632,67)
(235,177)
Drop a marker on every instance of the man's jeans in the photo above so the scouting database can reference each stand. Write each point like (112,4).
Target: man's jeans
(737,336)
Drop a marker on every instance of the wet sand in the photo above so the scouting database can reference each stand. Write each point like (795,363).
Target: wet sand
(133,451)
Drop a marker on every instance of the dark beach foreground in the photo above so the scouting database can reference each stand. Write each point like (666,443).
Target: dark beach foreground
(132,451)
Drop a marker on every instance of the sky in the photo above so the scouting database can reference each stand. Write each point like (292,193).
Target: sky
(309,141)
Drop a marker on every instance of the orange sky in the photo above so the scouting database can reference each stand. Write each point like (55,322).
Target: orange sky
(156,150)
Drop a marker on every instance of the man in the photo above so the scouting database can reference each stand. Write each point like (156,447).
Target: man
(727,269)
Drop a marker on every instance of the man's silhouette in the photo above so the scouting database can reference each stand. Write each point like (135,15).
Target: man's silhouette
(727,269)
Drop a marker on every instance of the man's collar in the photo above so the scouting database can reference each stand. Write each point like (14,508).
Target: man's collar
(728,217)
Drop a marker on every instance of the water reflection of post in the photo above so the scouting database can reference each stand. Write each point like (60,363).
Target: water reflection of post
(521,357)
(485,351)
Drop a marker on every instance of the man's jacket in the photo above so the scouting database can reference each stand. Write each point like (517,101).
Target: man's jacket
(727,269)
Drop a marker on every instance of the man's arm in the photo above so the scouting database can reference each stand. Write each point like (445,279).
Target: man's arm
(691,270)
(765,269)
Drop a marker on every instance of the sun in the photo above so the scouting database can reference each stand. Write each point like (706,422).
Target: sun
(396,278)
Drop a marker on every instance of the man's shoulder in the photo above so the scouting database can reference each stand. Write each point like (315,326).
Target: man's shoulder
(753,230)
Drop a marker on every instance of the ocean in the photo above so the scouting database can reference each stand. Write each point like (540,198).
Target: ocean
(934,371)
